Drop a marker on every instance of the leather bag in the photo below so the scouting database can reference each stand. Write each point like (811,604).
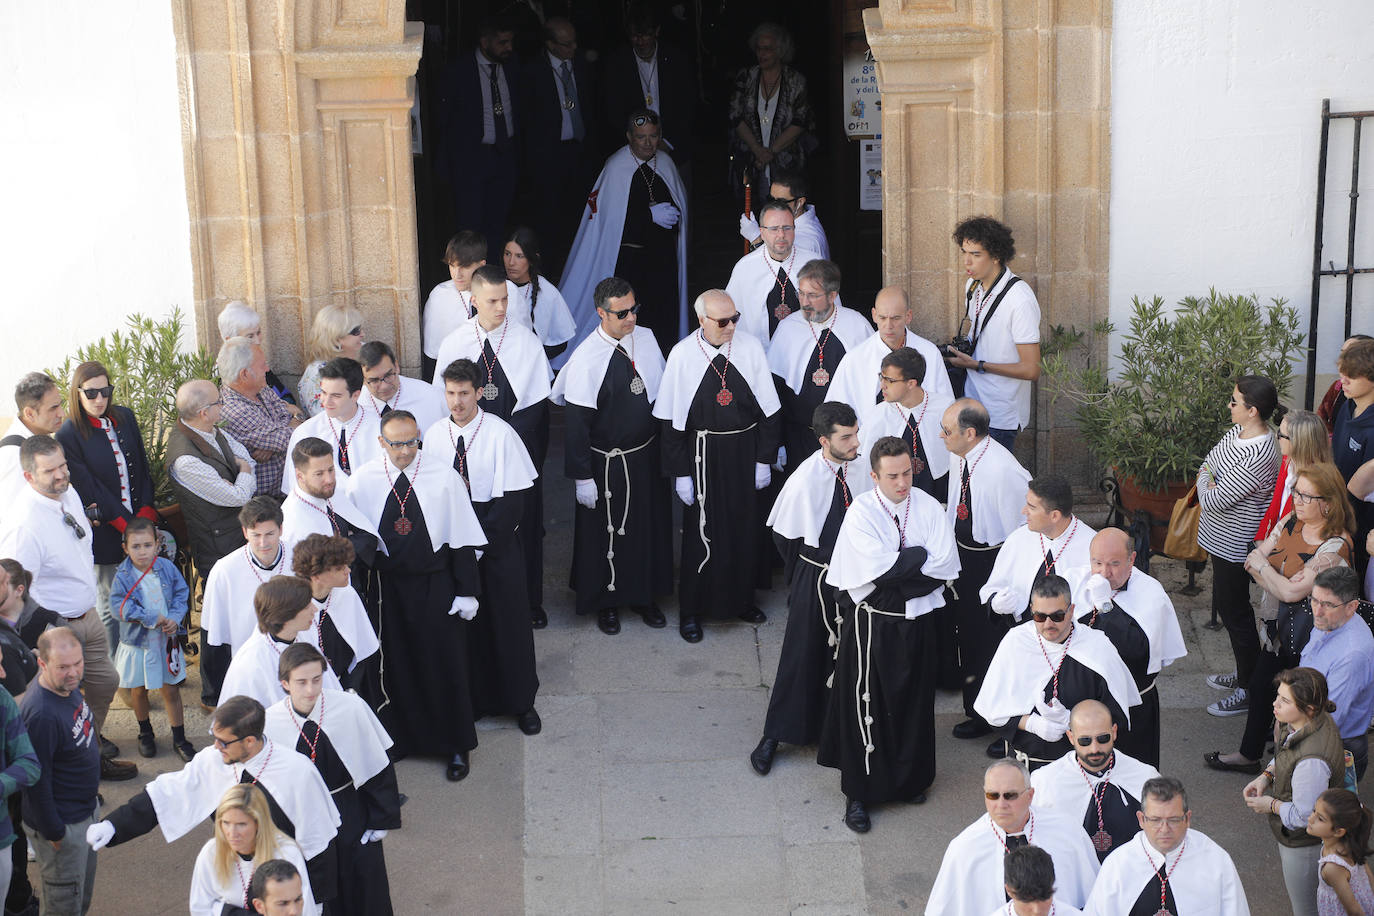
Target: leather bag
(1181,542)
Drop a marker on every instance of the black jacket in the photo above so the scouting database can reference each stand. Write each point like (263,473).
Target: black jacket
(95,476)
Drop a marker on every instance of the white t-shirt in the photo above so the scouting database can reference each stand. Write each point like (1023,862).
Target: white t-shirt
(1016,321)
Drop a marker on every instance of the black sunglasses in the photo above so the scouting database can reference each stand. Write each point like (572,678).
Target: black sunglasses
(722,322)
(782,200)
(1086,740)
(619,314)
(1009,796)
(73,524)
(93,393)
(1057,616)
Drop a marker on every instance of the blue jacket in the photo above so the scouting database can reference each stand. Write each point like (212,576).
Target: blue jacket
(96,478)
(137,623)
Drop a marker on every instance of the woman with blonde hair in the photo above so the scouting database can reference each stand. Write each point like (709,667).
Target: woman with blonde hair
(245,837)
(1303,442)
(336,331)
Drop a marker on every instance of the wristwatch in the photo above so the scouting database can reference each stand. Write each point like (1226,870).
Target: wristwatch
(982,365)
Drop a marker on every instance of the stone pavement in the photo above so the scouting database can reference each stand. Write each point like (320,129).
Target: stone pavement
(638,797)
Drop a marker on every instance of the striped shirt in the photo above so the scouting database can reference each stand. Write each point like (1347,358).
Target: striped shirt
(1245,472)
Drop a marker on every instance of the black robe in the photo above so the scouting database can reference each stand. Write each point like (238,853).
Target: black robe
(782,298)
(363,888)
(648,256)
(1118,818)
(428,708)
(901,687)
(501,663)
(1077,682)
(1147,904)
(797,409)
(796,707)
(1141,739)
(724,588)
(978,631)
(644,552)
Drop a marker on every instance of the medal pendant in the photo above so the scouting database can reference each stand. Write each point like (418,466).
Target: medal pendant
(648,100)
(637,385)
(724,397)
(568,104)
(1102,841)
(403,526)
(1163,912)
(498,109)
(781,311)
(917,465)
(490,392)
(820,377)
(962,511)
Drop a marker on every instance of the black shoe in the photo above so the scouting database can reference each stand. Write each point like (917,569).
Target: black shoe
(147,746)
(653,617)
(753,615)
(458,768)
(538,619)
(1214,762)
(30,908)
(529,722)
(108,750)
(608,621)
(972,728)
(184,749)
(997,750)
(689,628)
(919,798)
(117,770)
(762,758)
(856,816)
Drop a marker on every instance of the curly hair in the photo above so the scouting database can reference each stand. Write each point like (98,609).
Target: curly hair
(994,237)
(317,553)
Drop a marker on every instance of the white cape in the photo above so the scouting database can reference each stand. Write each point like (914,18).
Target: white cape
(440,491)
(497,461)
(890,419)
(755,276)
(810,233)
(690,359)
(1145,600)
(1023,555)
(552,319)
(209,894)
(997,484)
(803,503)
(354,731)
(856,377)
(795,340)
(518,351)
(415,395)
(1205,884)
(447,307)
(304,515)
(227,612)
(350,618)
(579,381)
(360,435)
(596,249)
(253,670)
(1057,908)
(1064,786)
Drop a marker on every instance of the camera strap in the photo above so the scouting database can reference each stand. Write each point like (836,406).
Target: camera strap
(977,330)
(11,440)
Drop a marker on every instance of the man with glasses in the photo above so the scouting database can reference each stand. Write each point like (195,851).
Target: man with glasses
(182,800)
(720,415)
(790,188)
(47,533)
(1168,867)
(1042,669)
(763,283)
(344,421)
(1095,782)
(971,874)
(910,413)
(856,379)
(622,537)
(38,412)
(805,354)
(251,411)
(385,389)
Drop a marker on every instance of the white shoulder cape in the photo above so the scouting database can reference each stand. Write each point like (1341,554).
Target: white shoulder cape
(889,419)
(227,612)
(1205,883)
(209,894)
(553,321)
(519,352)
(810,232)
(1023,555)
(856,377)
(803,503)
(755,275)
(353,729)
(1149,605)
(415,395)
(497,461)
(360,435)
(304,515)
(351,620)
(998,485)
(579,381)
(443,498)
(1062,785)
(795,340)
(689,361)
(253,669)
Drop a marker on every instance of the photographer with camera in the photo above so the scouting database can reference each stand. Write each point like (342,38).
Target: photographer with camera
(997,349)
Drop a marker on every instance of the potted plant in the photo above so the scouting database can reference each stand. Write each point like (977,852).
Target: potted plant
(1154,416)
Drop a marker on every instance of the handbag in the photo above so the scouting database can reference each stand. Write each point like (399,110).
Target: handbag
(1181,542)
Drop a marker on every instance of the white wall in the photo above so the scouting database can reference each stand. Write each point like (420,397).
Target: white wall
(1215,134)
(94,224)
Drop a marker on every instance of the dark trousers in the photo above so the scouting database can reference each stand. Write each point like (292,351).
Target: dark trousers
(1259,721)
(214,663)
(483,190)
(1231,603)
(1005,437)
(20,890)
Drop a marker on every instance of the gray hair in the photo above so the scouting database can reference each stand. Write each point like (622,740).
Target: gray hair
(699,306)
(31,390)
(237,319)
(194,396)
(1014,764)
(1164,789)
(825,273)
(783,37)
(235,357)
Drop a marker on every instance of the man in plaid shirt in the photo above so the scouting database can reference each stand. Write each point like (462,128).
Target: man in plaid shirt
(253,413)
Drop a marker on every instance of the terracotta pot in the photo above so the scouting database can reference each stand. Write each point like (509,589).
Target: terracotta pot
(172,516)
(1159,503)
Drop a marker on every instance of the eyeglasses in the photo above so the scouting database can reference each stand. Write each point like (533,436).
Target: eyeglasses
(1329,605)
(890,381)
(722,322)
(381,379)
(221,743)
(1303,499)
(91,394)
(994,796)
(1057,616)
(406,443)
(619,314)
(70,521)
(783,229)
(356,332)
(212,404)
(1171,821)
(1086,740)
(782,200)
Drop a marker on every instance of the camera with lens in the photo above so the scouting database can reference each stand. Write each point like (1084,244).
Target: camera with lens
(960,343)
(93,512)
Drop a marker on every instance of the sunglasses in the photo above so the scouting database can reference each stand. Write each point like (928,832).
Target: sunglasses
(722,322)
(1089,739)
(782,200)
(1009,796)
(1057,616)
(356,332)
(70,521)
(619,314)
(91,394)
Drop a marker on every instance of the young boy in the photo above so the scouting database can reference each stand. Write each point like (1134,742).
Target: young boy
(450,303)
(285,611)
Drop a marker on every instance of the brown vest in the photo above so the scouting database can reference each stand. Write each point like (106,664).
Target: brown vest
(214,530)
(1322,740)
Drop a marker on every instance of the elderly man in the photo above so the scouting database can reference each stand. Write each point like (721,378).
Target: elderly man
(1042,669)
(1095,782)
(763,282)
(1146,636)
(388,390)
(970,874)
(212,474)
(349,426)
(38,403)
(806,351)
(856,379)
(45,531)
(1028,878)
(720,434)
(1168,867)
(251,411)
(790,188)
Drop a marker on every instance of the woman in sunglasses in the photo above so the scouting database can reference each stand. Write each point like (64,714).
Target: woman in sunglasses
(109,471)
(336,331)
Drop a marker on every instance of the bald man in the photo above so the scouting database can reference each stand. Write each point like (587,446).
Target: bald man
(1132,609)
(856,378)
(1095,782)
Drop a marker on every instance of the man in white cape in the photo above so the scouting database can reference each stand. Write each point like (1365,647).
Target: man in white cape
(1029,880)
(913,415)
(791,189)
(349,427)
(387,390)
(1198,875)
(856,378)
(1095,782)
(970,877)
(763,283)
(634,227)
(317,506)
(1053,542)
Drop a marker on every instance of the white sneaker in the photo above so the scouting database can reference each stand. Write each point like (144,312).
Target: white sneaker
(1223,681)
(1237,704)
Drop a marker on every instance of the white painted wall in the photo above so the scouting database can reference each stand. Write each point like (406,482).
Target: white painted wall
(94,224)
(1215,134)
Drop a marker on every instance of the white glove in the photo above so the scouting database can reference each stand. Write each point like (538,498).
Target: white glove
(782,459)
(665,215)
(1048,722)
(372,836)
(99,834)
(586,493)
(1097,591)
(465,608)
(1004,602)
(749,227)
(763,476)
(685,491)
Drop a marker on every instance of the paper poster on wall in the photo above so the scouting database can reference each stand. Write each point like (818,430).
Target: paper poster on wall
(863,106)
(871,174)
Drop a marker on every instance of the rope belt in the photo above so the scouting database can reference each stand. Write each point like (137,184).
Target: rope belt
(611,529)
(832,633)
(1025,759)
(863,654)
(347,785)
(963,546)
(1147,689)
(700,481)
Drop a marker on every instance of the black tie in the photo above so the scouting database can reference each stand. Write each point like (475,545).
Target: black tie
(1049,562)
(498,110)
(460,461)
(343,452)
(386,408)
(1016,842)
(333,519)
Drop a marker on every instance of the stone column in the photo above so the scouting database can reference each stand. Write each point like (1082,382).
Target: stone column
(296,129)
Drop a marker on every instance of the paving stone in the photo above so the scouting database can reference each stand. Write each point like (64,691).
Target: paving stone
(701,725)
(563,885)
(746,870)
(708,798)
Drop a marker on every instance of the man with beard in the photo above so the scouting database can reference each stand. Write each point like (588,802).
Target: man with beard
(763,283)
(315,506)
